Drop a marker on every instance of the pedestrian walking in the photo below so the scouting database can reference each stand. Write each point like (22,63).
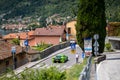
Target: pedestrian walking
(83,56)
(77,57)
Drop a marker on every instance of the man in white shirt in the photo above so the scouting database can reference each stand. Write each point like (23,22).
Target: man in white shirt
(77,57)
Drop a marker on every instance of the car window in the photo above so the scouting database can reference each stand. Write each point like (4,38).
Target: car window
(58,57)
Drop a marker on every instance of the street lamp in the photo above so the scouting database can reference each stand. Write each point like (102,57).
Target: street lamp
(26,44)
(13,52)
(26,41)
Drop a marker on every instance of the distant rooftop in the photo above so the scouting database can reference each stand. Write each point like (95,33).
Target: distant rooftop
(50,31)
(5,49)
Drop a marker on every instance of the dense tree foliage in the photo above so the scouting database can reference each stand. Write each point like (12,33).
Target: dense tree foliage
(16,41)
(112,10)
(44,8)
(91,20)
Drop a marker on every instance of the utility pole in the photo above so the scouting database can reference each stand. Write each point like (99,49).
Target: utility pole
(26,41)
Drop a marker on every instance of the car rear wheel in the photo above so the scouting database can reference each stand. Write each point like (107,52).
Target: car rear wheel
(59,61)
(54,61)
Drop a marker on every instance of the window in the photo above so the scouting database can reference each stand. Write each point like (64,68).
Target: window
(69,30)
(7,63)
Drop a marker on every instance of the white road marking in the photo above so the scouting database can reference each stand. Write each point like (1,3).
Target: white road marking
(69,67)
(37,66)
(63,67)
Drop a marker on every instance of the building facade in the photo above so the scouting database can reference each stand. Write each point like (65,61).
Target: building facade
(70,28)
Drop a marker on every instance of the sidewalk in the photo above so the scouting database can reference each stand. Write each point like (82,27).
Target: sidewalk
(92,72)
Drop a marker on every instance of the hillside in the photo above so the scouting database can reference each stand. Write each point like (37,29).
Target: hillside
(113,10)
(43,9)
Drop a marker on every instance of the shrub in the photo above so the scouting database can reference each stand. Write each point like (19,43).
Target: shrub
(41,46)
(51,73)
(16,41)
(108,46)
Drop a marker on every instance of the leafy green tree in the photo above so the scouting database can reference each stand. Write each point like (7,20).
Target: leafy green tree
(16,41)
(112,10)
(43,22)
(91,20)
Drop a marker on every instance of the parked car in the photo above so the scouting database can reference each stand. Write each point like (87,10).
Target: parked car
(61,58)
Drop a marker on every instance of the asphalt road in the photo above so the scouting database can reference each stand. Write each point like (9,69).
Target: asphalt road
(110,68)
(48,62)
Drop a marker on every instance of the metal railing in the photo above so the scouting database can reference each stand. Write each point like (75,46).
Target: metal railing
(85,74)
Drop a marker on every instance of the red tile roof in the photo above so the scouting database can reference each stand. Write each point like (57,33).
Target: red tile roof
(22,35)
(5,50)
(10,36)
(50,31)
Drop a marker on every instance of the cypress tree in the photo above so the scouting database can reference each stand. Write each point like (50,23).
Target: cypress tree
(91,20)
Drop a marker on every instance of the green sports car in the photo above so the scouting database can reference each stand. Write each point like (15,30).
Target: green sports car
(61,58)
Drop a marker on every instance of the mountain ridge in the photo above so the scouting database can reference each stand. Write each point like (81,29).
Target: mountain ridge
(46,8)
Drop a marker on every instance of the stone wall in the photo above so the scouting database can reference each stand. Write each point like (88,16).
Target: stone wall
(49,51)
(52,49)
(115,44)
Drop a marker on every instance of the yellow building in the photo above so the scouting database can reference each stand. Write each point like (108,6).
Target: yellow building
(70,26)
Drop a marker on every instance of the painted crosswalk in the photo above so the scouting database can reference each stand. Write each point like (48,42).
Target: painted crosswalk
(59,66)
